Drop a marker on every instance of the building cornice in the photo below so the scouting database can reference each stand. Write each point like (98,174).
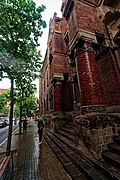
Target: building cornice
(88,2)
(82,35)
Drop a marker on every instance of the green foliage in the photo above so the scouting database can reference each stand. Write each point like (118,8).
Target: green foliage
(17,111)
(5,110)
(29,106)
(20,28)
(4,99)
(28,99)
(101,120)
(107,119)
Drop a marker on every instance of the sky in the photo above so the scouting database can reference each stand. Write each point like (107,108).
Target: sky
(52,6)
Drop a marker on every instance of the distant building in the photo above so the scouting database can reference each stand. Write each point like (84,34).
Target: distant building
(3,90)
(81,71)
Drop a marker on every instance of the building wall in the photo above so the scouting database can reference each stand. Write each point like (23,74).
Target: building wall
(81,69)
(109,14)
(110,79)
(55,66)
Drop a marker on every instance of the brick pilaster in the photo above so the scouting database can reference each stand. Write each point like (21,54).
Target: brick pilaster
(58,96)
(88,76)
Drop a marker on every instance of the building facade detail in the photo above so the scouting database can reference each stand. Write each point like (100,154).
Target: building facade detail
(81,71)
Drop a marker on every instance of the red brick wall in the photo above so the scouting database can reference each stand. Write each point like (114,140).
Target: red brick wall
(57,26)
(51,69)
(60,64)
(72,25)
(91,89)
(110,79)
(40,96)
(87,18)
(67,97)
(84,16)
(63,26)
(58,97)
(58,43)
(95,2)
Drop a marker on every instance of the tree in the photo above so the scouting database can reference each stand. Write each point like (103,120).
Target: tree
(16,110)
(28,101)
(25,91)
(20,28)
(29,106)
(4,100)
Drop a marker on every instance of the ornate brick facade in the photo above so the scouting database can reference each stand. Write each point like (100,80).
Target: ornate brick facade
(81,71)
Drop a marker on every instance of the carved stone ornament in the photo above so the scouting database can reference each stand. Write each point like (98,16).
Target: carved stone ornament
(82,50)
(92,109)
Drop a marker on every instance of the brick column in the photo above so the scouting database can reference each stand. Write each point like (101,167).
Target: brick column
(58,97)
(89,80)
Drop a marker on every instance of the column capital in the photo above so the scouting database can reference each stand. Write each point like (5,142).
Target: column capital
(57,78)
(87,47)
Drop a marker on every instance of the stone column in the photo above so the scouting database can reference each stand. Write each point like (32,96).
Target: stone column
(89,80)
(58,97)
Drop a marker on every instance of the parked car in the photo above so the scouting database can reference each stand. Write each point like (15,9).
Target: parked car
(2,123)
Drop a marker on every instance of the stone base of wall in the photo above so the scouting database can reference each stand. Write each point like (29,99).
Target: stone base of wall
(96,131)
(93,109)
(77,108)
(99,139)
(113,109)
(56,122)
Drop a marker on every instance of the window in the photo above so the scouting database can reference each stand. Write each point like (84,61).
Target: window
(50,55)
(100,38)
(68,9)
(51,100)
(66,37)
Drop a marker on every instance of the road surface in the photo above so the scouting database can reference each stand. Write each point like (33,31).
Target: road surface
(4,132)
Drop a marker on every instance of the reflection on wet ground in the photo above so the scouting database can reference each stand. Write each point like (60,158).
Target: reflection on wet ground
(34,161)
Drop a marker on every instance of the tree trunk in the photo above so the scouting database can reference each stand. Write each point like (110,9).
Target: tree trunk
(11,117)
(20,123)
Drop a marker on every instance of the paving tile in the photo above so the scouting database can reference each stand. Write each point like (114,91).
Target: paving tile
(34,161)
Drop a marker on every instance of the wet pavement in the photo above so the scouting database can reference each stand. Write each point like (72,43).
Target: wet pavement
(33,161)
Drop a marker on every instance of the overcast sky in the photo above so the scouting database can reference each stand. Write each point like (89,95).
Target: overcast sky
(51,7)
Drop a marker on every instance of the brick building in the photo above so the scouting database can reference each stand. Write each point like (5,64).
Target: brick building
(81,71)
(3,90)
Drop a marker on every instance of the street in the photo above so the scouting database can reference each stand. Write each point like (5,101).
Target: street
(4,132)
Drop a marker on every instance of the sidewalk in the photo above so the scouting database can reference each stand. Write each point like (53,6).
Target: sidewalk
(33,161)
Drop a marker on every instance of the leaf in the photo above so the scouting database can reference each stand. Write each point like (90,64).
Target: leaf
(20,27)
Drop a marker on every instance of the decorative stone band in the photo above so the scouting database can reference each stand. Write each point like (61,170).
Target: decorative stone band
(92,109)
(59,82)
(82,50)
(57,77)
(81,36)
